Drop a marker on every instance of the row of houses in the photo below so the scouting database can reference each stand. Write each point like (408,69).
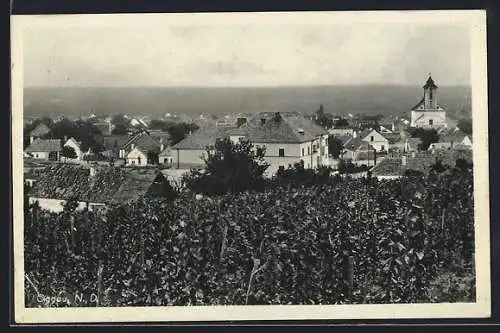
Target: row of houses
(363,147)
(141,149)
(287,139)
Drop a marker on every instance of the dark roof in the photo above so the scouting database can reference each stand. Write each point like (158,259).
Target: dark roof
(109,185)
(280,129)
(392,137)
(205,136)
(430,83)
(115,141)
(144,142)
(44,145)
(393,166)
(421,102)
(40,130)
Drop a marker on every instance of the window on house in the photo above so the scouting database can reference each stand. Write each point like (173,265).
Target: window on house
(302,151)
(282,152)
(382,147)
(133,162)
(371,138)
(431,122)
(308,150)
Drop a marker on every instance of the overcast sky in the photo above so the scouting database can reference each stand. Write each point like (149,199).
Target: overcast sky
(245,54)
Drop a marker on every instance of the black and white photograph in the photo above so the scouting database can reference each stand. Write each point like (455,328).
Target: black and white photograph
(250,166)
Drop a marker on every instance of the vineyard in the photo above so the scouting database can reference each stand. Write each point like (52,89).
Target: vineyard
(344,241)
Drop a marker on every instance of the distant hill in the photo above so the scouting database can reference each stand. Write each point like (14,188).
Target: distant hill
(155,102)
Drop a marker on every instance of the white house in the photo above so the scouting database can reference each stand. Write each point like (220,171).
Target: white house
(136,157)
(44,149)
(77,147)
(428,113)
(375,139)
(287,140)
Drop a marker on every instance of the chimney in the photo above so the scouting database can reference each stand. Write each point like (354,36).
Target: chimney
(32,138)
(413,154)
(354,134)
(162,147)
(65,138)
(403,160)
(132,146)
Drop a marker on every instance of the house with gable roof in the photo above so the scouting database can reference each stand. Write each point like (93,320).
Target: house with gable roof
(44,149)
(191,151)
(141,149)
(77,147)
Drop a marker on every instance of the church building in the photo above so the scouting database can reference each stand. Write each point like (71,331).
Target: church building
(427,113)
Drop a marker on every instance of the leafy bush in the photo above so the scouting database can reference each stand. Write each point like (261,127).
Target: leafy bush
(280,246)
(229,167)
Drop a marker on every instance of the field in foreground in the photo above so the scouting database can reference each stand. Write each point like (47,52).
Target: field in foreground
(348,241)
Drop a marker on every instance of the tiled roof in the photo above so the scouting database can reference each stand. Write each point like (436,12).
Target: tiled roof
(280,129)
(40,130)
(393,166)
(144,142)
(205,136)
(44,145)
(109,185)
(111,142)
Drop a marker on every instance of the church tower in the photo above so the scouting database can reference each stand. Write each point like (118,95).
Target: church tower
(427,113)
(430,96)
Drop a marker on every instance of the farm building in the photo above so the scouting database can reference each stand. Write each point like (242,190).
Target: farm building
(94,187)
(44,149)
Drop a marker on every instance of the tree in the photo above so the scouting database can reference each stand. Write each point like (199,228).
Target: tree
(335,146)
(427,136)
(157,124)
(465,125)
(229,167)
(68,152)
(82,131)
(342,122)
(178,131)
